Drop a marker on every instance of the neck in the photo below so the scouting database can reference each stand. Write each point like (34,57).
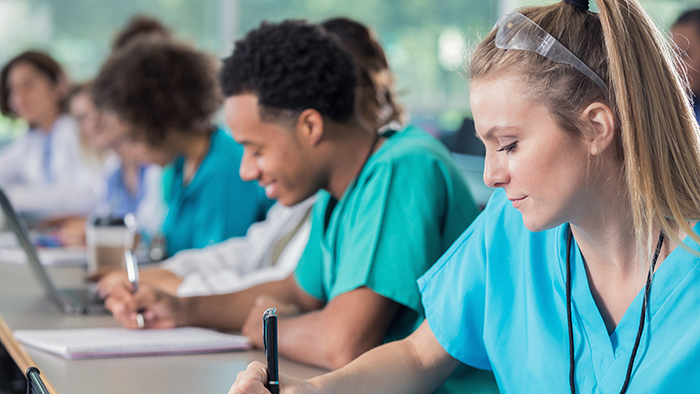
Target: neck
(615,268)
(195,149)
(352,144)
(604,230)
(47,123)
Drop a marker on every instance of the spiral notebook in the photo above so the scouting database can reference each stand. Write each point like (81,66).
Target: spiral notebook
(123,342)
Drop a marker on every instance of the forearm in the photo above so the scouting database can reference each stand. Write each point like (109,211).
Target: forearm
(313,339)
(229,311)
(394,368)
(161,279)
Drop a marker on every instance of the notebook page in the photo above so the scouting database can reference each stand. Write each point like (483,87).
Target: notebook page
(121,342)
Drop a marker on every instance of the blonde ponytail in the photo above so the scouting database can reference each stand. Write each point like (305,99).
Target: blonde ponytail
(658,131)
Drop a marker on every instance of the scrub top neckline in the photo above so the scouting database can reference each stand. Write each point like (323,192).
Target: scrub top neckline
(353,183)
(381,148)
(330,231)
(180,164)
(588,320)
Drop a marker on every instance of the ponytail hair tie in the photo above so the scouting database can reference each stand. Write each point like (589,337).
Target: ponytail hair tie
(582,4)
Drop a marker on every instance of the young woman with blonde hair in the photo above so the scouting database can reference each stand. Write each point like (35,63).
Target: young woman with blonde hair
(581,275)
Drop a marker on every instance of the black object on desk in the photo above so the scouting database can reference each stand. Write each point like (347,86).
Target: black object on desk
(12,379)
(270,343)
(34,383)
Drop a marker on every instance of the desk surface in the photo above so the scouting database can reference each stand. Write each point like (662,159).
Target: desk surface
(23,305)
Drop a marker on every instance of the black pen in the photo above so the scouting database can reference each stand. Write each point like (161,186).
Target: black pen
(270,343)
(132,272)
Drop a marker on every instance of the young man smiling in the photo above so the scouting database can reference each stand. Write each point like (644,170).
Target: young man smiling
(388,206)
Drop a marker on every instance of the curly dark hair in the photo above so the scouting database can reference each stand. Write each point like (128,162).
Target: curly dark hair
(140,26)
(44,63)
(292,66)
(159,86)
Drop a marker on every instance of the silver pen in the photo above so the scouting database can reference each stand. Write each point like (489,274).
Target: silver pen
(132,272)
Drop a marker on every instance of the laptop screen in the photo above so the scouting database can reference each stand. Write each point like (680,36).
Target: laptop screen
(19,227)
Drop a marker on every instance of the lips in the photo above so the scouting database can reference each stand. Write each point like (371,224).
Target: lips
(270,189)
(517,201)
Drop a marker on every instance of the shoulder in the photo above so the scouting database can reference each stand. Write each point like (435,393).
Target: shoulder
(413,153)
(224,156)
(411,143)
(498,240)
(65,127)
(222,143)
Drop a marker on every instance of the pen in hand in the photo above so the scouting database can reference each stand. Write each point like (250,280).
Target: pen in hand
(132,272)
(270,344)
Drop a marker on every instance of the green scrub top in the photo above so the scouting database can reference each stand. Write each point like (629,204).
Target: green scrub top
(405,208)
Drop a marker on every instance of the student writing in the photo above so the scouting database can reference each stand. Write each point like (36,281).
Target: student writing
(547,287)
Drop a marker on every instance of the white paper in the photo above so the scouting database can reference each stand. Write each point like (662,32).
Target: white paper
(121,342)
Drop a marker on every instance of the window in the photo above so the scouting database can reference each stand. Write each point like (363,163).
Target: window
(425,40)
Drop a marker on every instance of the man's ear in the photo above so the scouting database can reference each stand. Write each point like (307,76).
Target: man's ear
(310,126)
(600,127)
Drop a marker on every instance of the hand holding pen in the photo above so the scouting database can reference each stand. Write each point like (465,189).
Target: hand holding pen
(132,272)
(254,381)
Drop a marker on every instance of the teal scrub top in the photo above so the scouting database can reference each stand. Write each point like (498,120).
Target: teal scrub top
(217,204)
(497,300)
(406,207)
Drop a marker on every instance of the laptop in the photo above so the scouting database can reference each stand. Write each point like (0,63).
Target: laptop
(77,301)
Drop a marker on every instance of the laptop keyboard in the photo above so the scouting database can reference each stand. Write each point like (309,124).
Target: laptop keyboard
(84,300)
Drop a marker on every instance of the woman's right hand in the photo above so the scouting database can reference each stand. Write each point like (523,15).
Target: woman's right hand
(159,309)
(108,280)
(251,381)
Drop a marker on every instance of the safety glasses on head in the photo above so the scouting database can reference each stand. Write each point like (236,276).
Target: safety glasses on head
(516,31)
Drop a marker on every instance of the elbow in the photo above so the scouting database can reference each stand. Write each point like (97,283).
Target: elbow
(341,354)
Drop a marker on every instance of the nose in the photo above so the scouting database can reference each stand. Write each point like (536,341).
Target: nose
(249,170)
(495,170)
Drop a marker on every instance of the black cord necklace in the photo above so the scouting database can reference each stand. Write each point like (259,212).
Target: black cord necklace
(647,290)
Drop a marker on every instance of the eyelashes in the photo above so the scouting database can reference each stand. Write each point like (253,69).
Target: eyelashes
(508,148)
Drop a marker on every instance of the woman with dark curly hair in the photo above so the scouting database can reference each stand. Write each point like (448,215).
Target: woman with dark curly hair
(42,170)
(164,94)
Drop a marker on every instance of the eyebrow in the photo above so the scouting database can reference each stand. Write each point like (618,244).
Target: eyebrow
(491,131)
(248,144)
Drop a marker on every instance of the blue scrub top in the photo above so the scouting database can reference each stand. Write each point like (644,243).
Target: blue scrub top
(121,201)
(497,300)
(217,204)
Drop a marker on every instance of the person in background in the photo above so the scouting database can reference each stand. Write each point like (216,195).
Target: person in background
(98,158)
(140,26)
(163,94)
(133,186)
(42,171)
(271,249)
(375,98)
(581,275)
(388,204)
(685,33)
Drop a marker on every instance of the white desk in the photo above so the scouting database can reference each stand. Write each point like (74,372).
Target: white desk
(23,305)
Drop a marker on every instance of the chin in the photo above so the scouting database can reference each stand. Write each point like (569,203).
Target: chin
(538,224)
(287,200)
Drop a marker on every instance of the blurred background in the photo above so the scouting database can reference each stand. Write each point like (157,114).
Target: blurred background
(425,40)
